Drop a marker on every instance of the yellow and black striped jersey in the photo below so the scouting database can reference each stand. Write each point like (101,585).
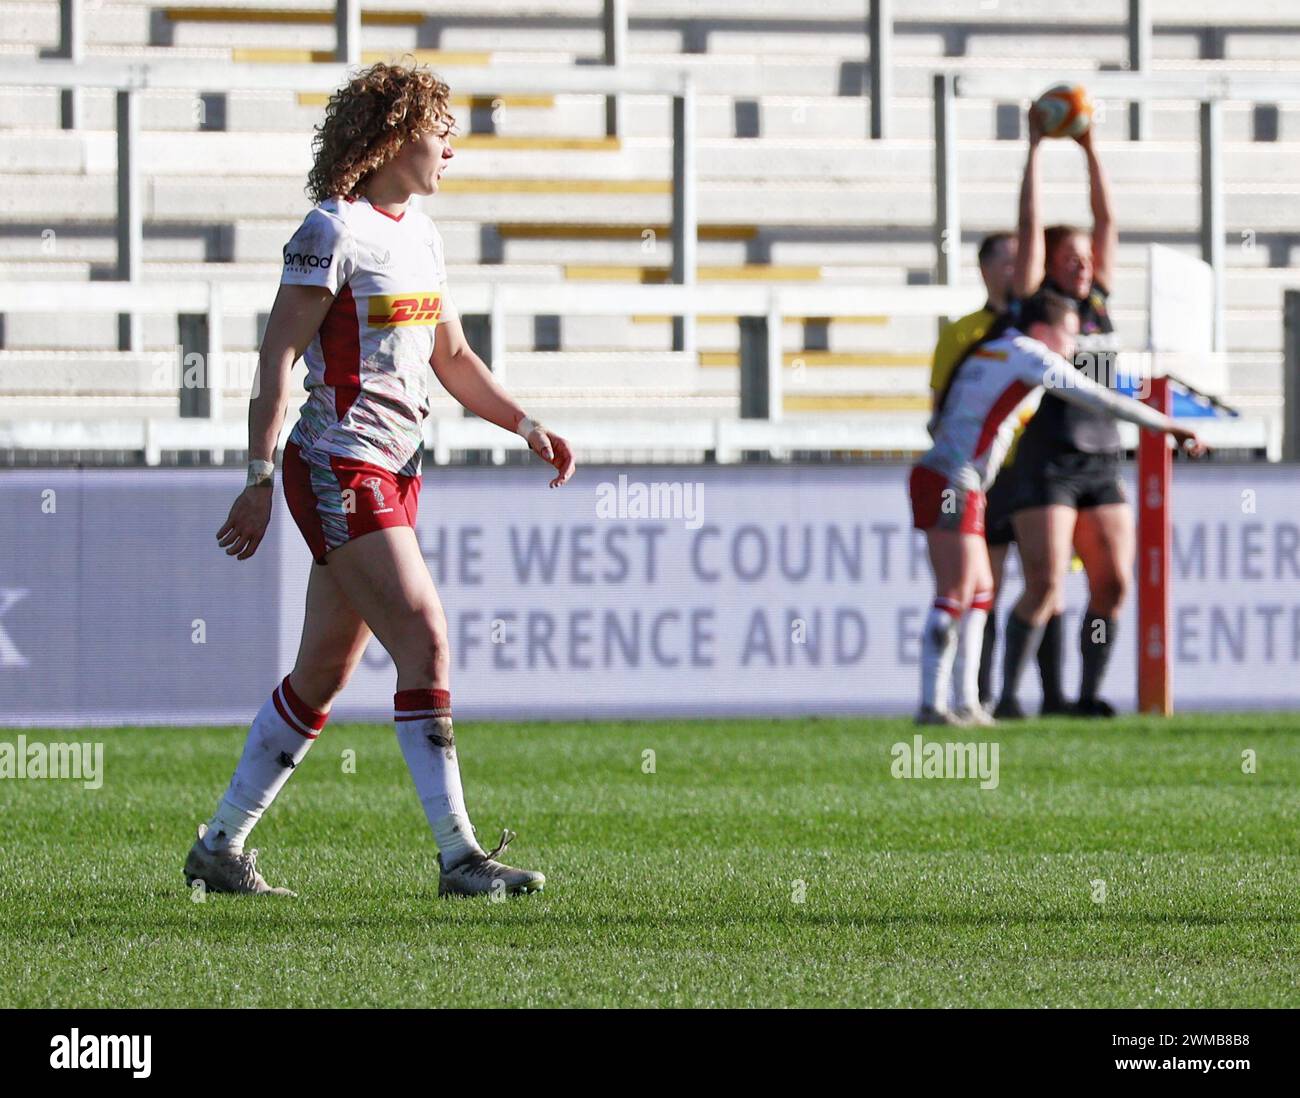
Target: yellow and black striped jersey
(955,342)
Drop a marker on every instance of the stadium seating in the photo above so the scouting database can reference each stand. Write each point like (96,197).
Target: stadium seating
(791,191)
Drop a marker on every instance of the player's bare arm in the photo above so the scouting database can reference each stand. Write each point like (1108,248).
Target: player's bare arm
(1078,388)
(295,318)
(1105,230)
(466,377)
(1031,250)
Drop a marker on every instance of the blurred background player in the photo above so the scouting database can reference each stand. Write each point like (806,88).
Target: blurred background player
(1069,492)
(997,261)
(997,264)
(363,299)
(973,425)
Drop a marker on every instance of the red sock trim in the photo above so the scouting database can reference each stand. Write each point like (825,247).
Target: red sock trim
(296,713)
(419,705)
(948,606)
(983,601)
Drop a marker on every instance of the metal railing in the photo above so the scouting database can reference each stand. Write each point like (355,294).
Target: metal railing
(758,424)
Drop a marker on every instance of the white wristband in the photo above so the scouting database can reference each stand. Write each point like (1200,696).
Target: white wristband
(526,427)
(260,472)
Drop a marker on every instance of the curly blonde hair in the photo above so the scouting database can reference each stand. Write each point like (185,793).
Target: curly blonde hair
(368,120)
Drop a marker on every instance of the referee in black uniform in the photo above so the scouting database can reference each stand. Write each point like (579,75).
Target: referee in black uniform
(1069,495)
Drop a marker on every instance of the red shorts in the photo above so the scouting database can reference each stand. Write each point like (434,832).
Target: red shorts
(938,505)
(335,503)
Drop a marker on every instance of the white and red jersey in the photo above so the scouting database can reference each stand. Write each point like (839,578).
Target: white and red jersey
(977,421)
(368,365)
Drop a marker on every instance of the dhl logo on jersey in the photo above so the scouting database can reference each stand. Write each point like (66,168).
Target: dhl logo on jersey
(394,310)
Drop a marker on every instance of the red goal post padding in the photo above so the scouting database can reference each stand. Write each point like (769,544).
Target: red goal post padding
(1155,478)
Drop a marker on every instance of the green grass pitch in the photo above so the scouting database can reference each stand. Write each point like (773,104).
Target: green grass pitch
(761,863)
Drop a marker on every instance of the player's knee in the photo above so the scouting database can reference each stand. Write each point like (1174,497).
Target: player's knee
(954,594)
(425,650)
(1044,589)
(1109,593)
(318,686)
(334,678)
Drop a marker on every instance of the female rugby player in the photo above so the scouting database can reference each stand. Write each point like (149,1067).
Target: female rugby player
(972,428)
(1069,492)
(363,298)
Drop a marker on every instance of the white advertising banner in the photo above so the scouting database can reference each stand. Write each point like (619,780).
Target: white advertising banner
(785,590)
(634,591)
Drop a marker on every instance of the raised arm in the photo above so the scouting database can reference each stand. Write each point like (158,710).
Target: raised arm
(295,318)
(1105,232)
(466,377)
(1063,380)
(1031,254)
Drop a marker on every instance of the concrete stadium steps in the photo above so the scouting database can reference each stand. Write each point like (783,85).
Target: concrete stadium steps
(23,22)
(97,333)
(739,74)
(1252,316)
(818,362)
(182,252)
(1153,207)
(1256,376)
(1013,12)
(653,275)
(295,53)
(1259,289)
(801,117)
(44,269)
(611,373)
(264,240)
(71,375)
(729,30)
(317,36)
(867,255)
(72,251)
(24,109)
(109,382)
(722,334)
(272,111)
(744,27)
(1099,12)
(99,410)
(82,374)
(624,250)
(645,164)
(157,374)
(236,196)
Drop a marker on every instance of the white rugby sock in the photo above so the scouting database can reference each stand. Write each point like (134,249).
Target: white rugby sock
(970,647)
(423,719)
(284,728)
(938,649)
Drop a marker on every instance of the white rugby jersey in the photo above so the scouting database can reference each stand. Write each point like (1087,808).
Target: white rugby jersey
(368,366)
(992,384)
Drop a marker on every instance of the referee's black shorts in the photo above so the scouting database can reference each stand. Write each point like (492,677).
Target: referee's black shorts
(1073,479)
(998,505)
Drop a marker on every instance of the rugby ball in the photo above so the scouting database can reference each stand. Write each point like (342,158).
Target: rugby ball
(1064,110)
